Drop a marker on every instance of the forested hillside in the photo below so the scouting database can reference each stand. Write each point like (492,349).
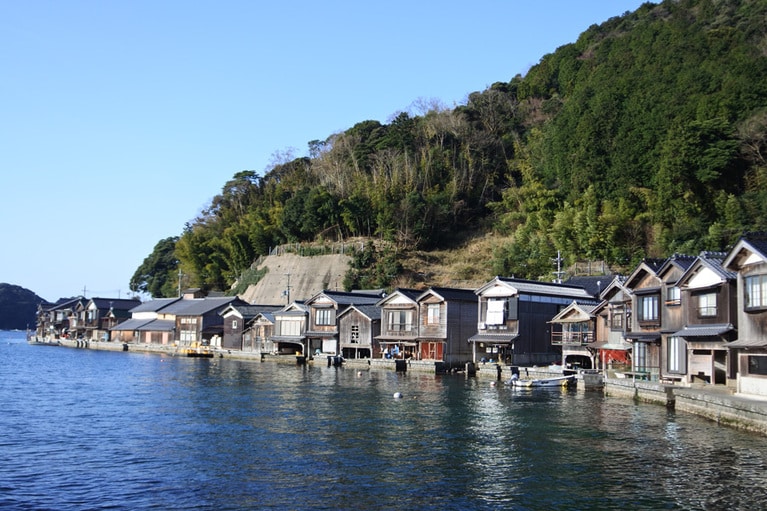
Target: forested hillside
(644,137)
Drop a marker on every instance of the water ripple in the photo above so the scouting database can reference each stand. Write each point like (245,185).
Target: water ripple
(87,430)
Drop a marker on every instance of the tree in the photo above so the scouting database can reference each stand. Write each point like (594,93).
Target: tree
(157,273)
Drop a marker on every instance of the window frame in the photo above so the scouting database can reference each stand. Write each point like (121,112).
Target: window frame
(705,308)
(754,282)
(649,304)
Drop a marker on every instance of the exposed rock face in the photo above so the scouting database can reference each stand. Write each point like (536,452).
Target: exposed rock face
(18,307)
(308,276)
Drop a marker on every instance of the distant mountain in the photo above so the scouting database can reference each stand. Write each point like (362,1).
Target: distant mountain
(18,307)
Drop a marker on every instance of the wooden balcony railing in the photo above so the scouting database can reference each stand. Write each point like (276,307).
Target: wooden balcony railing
(577,338)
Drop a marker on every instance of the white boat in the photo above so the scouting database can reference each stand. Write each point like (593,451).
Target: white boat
(558,381)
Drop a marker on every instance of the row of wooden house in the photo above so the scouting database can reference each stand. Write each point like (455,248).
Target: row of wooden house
(684,319)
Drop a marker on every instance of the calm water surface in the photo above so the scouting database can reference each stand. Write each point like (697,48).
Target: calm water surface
(84,429)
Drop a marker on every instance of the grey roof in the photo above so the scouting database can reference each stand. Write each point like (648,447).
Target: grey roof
(154,305)
(199,306)
(371,311)
(749,343)
(115,303)
(64,303)
(158,325)
(251,311)
(546,288)
(757,240)
(682,261)
(351,298)
(131,324)
(713,261)
(754,242)
(452,294)
(269,316)
(705,330)
(593,284)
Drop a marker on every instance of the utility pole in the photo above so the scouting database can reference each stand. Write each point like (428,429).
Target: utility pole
(559,272)
(179,282)
(287,290)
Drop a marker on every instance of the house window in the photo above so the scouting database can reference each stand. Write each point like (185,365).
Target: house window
(432,314)
(616,319)
(399,321)
(290,328)
(676,355)
(674,296)
(707,305)
(648,308)
(234,325)
(496,308)
(640,356)
(756,291)
(757,365)
(355,334)
(324,317)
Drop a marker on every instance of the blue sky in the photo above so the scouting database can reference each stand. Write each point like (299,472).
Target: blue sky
(120,120)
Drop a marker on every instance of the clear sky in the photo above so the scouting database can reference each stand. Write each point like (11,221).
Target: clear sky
(120,120)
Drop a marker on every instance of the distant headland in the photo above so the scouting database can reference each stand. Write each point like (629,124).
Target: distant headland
(18,307)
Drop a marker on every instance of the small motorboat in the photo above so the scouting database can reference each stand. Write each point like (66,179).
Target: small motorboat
(557,381)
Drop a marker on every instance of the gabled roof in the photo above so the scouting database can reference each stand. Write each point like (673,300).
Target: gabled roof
(750,244)
(711,261)
(681,261)
(372,312)
(115,303)
(410,295)
(537,288)
(154,305)
(293,309)
(346,297)
(575,313)
(65,303)
(199,306)
(648,266)
(249,311)
(269,316)
(615,286)
(450,294)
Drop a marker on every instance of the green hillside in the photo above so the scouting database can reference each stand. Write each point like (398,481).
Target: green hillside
(644,137)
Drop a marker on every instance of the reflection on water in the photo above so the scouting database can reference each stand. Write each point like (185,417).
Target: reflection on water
(86,430)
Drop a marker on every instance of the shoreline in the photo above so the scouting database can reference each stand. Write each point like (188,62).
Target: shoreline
(719,405)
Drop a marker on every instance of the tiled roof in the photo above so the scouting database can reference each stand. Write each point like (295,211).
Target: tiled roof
(704,330)
(453,294)
(370,311)
(115,303)
(154,305)
(352,298)
(713,260)
(593,284)
(198,306)
(546,288)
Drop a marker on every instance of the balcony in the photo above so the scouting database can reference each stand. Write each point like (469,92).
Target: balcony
(572,338)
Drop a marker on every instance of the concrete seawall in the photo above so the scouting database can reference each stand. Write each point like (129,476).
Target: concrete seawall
(718,404)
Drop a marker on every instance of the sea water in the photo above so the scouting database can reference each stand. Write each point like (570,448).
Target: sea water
(83,429)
